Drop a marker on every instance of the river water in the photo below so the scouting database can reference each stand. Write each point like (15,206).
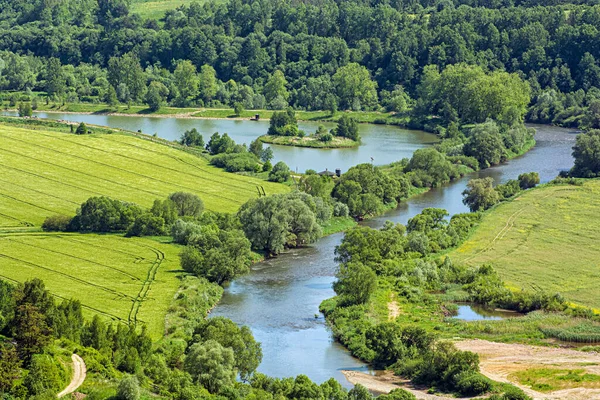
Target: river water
(384,144)
(279,299)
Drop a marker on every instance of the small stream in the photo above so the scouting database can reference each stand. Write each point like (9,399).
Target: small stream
(279,299)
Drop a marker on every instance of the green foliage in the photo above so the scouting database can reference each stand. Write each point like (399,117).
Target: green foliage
(129,388)
(430,168)
(81,129)
(216,254)
(10,367)
(398,394)
(283,123)
(156,95)
(355,88)
(187,204)
(480,194)
(275,222)
(587,155)
(211,365)
(56,223)
(238,109)
(466,93)
(347,127)
(103,214)
(25,109)
(366,190)
(528,180)
(45,374)
(486,145)
(236,162)
(220,144)
(280,172)
(247,351)
(355,283)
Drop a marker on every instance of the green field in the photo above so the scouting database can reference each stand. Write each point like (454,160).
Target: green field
(155,9)
(547,238)
(44,173)
(130,280)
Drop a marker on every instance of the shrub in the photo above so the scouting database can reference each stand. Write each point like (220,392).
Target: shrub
(508,189)
(81,129)
(129,388)
(25,109)
(340,209)
(56,223)
(472,384)
(529,180)
(326,137)
(280,172)
(235,162)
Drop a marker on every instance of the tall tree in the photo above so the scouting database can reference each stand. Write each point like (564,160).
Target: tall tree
(208,84)
(355,88)
(126,70)
(55,77)
(186,80)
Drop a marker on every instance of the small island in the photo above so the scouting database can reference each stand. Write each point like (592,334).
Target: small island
(284,131)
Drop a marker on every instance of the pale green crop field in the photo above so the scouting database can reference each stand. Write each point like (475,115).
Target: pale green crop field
(44,173)
(155,9)
(128,280)
(547,238)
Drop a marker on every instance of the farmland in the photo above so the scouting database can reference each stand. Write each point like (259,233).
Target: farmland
(44,173)
(155,9)
(531,240)
(130,280)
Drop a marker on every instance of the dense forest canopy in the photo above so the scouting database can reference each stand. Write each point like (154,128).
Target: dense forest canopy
(303,54)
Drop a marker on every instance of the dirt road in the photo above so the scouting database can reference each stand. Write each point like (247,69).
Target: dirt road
(79,373)
(499,360)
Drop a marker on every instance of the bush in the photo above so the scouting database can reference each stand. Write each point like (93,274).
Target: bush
(472,384)
(280,173)
(129,389)
(326,137)
(340,209)
(235,162)
(81,129)
(56,223)
(508,189)
(529,180)
(25,109)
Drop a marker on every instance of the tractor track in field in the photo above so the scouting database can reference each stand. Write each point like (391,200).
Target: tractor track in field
(244,188)
(30,204)
(40,192)
(145,289)
(111,316)
(112,167)
(77,258)
(71,239)
(109,290)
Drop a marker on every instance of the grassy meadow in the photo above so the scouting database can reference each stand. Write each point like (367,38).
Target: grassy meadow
(155,9)
(130,280)
(44,173)
(546,238)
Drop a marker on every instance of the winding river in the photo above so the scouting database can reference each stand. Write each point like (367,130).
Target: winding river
(279,299)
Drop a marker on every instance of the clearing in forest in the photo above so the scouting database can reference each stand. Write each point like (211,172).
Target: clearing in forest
(43,173)
(547,238)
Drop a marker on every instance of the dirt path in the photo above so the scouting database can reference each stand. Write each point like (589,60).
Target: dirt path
(499,360)
(393,308)
(386,381)
(79,373)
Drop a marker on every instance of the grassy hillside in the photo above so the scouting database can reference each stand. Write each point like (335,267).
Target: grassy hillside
(546,238)
(44,173)
(155,9)
(122,279)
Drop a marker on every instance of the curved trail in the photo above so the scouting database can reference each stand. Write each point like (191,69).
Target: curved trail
(79,373)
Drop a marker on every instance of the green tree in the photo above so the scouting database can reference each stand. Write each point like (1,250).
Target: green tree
(398,394)
(192,138)
(355,283)
(156,95)
(238,108)
(187,204)
(276,87)
(31,330)
(218,144)
(359,392)
(81,129)
(247,351)
(211,365)
(355,88)
(283,123)
(126,70)
(280,172)
(208,84)
(10,367)
(586,153)
(186,81)
(55,77)
(110,96)
(480,194)
(347,127)
(129,388)
(25,109)
(45,375)
(217,255)
(528,180)
(486,145)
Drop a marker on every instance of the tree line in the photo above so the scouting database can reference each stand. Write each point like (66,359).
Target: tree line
(346,55)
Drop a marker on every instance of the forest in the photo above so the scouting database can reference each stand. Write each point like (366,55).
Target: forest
(311,56)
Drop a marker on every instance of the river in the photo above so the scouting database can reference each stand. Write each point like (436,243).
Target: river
(381,144)
(279,299)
